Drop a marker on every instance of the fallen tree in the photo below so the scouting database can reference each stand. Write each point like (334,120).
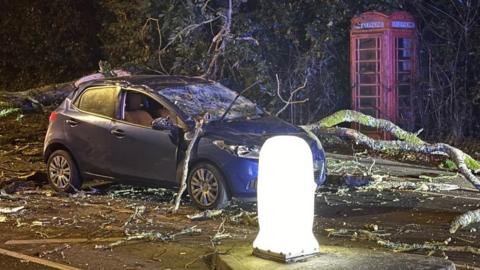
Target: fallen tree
(33,100)
(406,141)
(36,99)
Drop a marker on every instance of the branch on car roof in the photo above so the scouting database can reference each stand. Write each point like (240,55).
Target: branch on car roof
(406,141)
(183,182)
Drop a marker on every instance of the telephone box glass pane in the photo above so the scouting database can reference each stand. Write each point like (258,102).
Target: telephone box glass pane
(404,66)
(368,90)
(404,54)
(368,67)
(368,55)
(404,78)
(368,102)
(405,43)
(367,43)
(371,112)
(368,78)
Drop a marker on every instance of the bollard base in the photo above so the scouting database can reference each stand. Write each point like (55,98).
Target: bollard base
(283,258)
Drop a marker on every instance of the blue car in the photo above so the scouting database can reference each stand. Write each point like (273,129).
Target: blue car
(136,130)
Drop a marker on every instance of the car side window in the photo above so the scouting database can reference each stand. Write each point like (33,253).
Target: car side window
(98,100)
(140,109)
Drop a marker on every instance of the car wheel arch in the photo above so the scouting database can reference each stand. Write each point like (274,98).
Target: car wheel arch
(51,148)
(193,163)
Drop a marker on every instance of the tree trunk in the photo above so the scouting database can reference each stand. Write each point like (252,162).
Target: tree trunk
(37,98)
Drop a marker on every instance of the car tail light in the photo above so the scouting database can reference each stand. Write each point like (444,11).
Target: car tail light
(52,117)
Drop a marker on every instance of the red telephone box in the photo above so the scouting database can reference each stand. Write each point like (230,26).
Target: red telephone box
(383,60)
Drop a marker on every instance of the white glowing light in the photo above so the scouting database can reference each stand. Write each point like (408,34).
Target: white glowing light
(285,198)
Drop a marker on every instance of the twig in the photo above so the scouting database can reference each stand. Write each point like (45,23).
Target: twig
(186,31)
(159,32)
(207,255)
(55,250)
(139,211)
(290,100)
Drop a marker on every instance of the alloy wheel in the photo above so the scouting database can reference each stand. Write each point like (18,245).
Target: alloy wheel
(60,172)
(204,187)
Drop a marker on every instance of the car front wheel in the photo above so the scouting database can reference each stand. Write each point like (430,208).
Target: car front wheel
(206,187)
(62,172)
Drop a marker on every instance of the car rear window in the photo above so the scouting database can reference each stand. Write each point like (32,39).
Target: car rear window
(98,100)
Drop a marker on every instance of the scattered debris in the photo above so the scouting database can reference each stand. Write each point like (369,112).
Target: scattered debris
(7,210)
(146,194)
(408,185)
(402,247)
(245,218)
(151,236)
(464,220)
(220,234)
(139,211)
(36,260)
(372,227)
(5,195)
(55,250)
(37,223)
(207,214)
(9,111)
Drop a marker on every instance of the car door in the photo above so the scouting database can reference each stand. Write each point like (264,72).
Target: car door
(140,153)
(87,126)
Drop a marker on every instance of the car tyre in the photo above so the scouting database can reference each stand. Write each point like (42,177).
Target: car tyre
(206,187)
(62,172)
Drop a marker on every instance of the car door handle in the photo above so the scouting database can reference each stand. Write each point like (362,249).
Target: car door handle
(71,122)
(118,133)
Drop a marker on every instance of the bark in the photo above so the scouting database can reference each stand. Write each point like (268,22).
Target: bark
(183,182)
(464,220)
(406,141)
(366,120)
(35,99)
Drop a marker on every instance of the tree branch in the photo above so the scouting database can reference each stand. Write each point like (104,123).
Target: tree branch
(289,101)
(407,141)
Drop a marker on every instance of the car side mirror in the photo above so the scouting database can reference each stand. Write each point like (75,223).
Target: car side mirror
(162,123)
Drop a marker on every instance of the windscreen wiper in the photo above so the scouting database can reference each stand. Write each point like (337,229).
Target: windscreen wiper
(235,99)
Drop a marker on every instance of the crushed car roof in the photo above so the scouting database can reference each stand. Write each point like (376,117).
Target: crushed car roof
(155,82)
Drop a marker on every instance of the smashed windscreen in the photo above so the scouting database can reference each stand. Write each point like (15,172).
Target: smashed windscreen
(196,99)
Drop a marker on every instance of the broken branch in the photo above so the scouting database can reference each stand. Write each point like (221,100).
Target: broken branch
(183,182)
(289,101)
(407,141)
(464,220)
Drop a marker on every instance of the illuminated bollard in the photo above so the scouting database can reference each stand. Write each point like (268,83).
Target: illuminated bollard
(285,198)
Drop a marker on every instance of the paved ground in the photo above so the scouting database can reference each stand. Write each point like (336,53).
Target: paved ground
(335,258)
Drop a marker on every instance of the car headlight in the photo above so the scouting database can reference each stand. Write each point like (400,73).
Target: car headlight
(244,151)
